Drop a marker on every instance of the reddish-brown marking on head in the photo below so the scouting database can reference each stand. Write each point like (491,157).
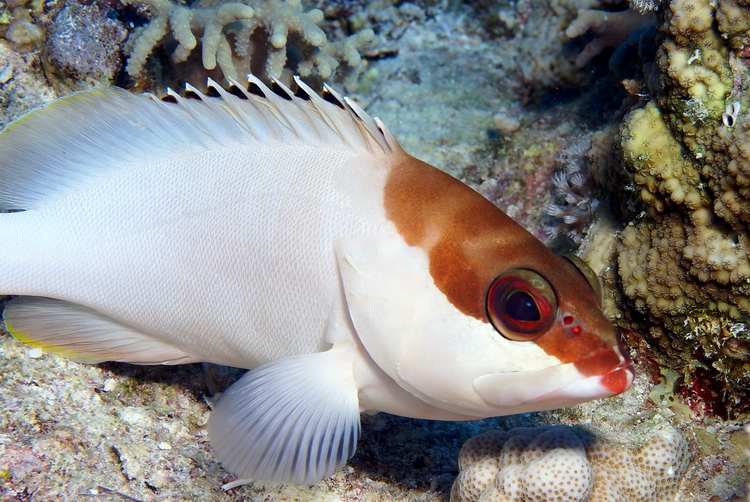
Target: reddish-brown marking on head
(470,242)
(467,238)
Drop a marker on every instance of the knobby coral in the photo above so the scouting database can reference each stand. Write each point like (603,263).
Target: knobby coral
(247,36)
(684,147)
(561,463)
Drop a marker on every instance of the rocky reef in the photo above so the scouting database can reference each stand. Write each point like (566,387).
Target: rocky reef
(18,24)
(683,263)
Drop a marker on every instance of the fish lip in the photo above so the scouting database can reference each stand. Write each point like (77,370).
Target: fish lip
(557,386)
(620,378)
(612,366)
(536,390)
(614,382)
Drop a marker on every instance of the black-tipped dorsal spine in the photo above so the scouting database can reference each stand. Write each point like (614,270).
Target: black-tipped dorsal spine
(236,91)
(328,96)
(191,94)
(254,89)
(212,92)
(300,93)
(169,98)
(355,109)
(280,91)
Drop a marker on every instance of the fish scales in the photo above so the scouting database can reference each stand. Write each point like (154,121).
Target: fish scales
(290,235)
(102,233)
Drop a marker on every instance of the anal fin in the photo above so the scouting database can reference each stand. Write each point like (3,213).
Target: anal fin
(83,334)
(294,419)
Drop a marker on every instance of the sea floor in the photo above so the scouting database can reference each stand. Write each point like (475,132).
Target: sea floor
(114,432)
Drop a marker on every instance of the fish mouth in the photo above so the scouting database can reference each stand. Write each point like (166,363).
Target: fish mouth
(554,387)
(615,381)
(597,367)
(619,379)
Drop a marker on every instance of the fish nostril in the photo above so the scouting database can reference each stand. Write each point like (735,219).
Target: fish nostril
(568,320)
(576,330)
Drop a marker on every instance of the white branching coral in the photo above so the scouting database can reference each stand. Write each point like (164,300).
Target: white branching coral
(247,36)
(611,29)
(564,464)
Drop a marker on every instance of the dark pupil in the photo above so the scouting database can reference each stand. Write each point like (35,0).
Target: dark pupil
(522,307)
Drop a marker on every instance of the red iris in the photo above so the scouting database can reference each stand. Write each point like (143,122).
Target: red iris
(521,305)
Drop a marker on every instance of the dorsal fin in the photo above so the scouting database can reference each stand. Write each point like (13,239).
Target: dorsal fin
(74,137)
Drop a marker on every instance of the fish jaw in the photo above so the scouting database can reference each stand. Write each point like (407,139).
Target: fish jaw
(552,387)
(602,373)
(611,369)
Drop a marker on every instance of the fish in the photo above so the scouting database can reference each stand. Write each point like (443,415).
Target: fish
(286,232)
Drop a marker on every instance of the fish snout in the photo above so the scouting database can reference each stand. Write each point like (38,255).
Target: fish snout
(619,379)
(611,369)
(605,373)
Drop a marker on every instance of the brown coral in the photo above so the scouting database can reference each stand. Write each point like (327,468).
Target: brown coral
(687,158)
(561,463)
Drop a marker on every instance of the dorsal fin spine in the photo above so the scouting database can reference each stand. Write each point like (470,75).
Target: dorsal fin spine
(100,129)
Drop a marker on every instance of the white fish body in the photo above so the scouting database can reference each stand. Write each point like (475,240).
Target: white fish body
(281,233)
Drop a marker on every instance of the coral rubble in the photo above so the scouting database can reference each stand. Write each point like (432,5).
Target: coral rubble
(83,47)
(561,463)
(247,36)
(18,25)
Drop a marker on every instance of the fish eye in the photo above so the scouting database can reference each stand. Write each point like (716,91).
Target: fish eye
(593,279)
(521,305)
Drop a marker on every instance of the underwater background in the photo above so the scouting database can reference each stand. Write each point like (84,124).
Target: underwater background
(617,130)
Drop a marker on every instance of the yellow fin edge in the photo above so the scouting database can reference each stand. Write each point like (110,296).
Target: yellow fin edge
(59,350)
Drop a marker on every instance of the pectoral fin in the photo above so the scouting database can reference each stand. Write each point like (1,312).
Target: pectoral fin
(295,419)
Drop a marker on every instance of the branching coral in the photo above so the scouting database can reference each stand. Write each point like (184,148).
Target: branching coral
(535,31)
(611,29)
(183,22)
(561,463)
(252,35)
